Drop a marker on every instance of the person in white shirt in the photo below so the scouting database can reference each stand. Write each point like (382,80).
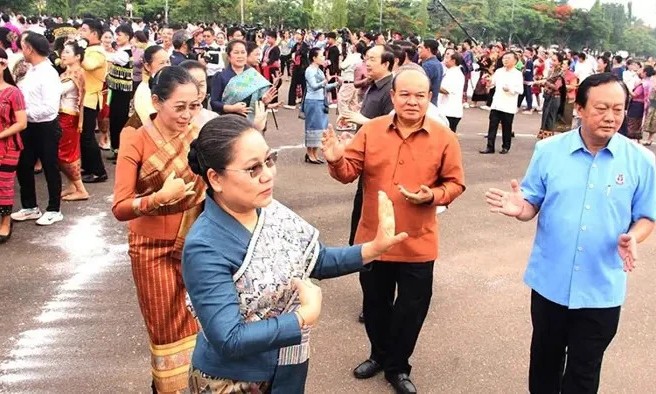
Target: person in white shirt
(450,97)
(42,90)
(630,75)
(509,84)
(584,68)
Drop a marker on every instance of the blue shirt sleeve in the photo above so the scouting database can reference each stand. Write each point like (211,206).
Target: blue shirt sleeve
(334,262)
(533,186)
(643,204)
(208,278)
(216,93)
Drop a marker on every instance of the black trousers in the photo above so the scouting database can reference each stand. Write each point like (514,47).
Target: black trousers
(453,123)
(506,121)
(285,64)
(92,162)
(357,211)
(298,78)
(119,111)
(568,346)
(41,142)
(393,325)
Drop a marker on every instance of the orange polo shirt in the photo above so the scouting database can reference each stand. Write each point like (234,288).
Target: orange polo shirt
(429,156)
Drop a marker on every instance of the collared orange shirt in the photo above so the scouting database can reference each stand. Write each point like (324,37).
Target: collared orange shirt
(429,156)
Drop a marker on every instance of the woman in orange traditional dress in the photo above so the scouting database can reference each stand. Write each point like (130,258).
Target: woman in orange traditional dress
(159,195)
(71,108)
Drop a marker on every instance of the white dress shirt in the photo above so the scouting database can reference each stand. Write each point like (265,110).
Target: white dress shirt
(513,80)
(42,90)
(453,82)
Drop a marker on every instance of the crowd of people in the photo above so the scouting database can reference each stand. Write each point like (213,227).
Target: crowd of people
(222,269)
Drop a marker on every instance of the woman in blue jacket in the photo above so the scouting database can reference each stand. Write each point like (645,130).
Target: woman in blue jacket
(247,261)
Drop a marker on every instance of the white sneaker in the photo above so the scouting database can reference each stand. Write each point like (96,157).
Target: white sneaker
(49,218)
(332,106)
(440,209)
(26,214)
(465,105)
(485,108)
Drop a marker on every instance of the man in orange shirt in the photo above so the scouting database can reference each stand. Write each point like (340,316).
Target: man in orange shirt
(418,163)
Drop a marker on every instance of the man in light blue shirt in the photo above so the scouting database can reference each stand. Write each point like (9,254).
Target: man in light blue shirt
(594,192)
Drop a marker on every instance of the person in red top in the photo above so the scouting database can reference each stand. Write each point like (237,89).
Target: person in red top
(417,162)
(13,120)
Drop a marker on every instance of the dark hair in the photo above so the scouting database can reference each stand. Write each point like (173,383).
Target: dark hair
(193,65)
(125,29)
(38,42)
(432,45)
(250,47)
(592,81)
(179,39)
(233,43)
(214,147)
(457,57)
(209,29)
(332,35)
(582,56)
(313,53)
(606,62)
(467,41)
(513,54)
(399,53)
(5,18)
(649,71)
(166,80)
(271,33)
(150,52)
(233,30)
(387,57)
(4,37)
(6,75)
(77,49)
(141,36)
(617,58)
(94,26)
(560,56)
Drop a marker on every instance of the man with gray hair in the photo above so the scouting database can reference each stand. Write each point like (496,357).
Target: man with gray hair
(180,47)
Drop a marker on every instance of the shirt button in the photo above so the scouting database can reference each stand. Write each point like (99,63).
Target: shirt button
(401,162)
(576,268)
(587,206)
(591,186)
(594,166)
(580,249)
(583,228)
(396,183)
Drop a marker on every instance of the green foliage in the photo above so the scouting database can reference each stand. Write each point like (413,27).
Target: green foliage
(607,26)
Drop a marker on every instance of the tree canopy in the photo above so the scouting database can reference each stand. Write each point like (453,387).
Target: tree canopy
(608,26)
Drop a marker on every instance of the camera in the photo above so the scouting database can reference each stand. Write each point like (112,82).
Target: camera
(345,34)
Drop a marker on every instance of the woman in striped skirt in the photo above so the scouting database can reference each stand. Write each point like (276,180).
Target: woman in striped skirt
(13,120)
(160,197)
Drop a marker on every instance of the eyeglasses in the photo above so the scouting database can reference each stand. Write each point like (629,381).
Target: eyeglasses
(256,170)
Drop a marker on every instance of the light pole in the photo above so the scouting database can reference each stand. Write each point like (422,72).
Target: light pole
(166,12)
(380,19)
(241,6)
(128,8)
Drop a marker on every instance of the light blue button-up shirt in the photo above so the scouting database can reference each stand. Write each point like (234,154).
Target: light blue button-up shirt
(585,203)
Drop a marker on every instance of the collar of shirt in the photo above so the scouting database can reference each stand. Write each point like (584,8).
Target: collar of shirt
(425,127)
(220,217)
(577,144)
(35,68)
(383,81)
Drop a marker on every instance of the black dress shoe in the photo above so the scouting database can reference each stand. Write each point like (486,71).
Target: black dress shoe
(5,238)
(401,383)
(90,178)
(486,151)
(504,151)
(367,369)
(361,317)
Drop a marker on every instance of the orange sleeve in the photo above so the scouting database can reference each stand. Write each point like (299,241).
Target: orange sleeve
(349,167)
(130,156)
(451,179)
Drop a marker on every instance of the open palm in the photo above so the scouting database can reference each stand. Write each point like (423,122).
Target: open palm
(386,236)
(508,203)
(333,147)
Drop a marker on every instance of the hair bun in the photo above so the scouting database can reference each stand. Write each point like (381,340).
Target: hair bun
(193,159)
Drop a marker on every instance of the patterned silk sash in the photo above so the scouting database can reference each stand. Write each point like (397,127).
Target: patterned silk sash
(170,157)
(283,247)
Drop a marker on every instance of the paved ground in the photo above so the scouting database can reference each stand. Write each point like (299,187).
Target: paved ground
(71,324)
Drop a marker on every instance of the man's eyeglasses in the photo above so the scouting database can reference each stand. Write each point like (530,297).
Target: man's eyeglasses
(256,170)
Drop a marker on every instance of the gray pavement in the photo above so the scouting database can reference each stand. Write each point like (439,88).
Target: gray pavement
(71,323)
